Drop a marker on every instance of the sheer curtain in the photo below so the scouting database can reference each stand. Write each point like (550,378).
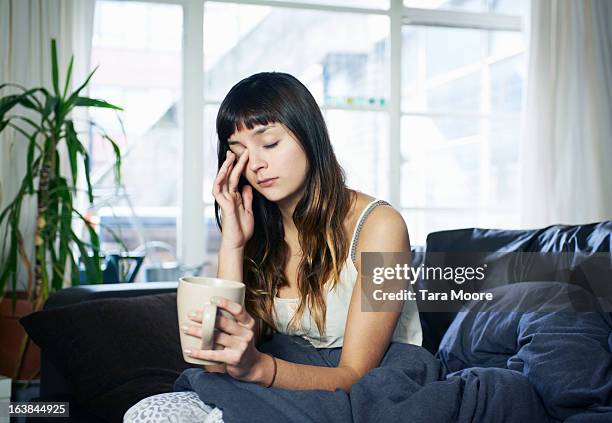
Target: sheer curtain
(566,150)
(26,29)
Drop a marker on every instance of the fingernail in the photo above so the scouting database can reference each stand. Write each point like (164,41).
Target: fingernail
(188,352)
(185,328)
(214,300)
(193,314)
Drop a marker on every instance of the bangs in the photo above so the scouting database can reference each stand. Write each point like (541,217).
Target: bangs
(239,115)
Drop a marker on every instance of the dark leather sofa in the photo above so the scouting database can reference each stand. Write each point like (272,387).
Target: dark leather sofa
(590,238)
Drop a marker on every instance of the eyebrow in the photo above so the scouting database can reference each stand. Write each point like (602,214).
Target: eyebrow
(258,131)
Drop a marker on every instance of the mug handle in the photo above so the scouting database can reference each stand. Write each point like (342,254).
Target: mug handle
(209,316)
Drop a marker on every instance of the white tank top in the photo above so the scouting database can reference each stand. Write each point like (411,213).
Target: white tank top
(407,331)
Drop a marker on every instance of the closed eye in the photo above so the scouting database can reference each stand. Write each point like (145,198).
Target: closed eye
(271,145)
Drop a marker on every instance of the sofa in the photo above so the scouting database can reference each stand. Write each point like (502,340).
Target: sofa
(105,347)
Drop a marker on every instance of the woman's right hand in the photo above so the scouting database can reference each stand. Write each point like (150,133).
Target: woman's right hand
(236,208)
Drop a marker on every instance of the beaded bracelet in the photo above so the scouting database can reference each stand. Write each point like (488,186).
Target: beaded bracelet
(274,374)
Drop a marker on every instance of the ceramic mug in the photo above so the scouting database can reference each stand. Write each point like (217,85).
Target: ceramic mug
(195,292)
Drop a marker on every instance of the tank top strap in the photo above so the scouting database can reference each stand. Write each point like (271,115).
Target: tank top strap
(360,221)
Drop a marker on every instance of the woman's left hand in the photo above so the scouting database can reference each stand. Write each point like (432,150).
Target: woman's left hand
(238,337)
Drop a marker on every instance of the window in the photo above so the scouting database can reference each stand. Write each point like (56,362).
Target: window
(460,125)
(516,7)
(433,128)
(141,71)
(341,57)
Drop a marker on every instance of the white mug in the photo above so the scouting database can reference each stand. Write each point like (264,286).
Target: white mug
(195,292)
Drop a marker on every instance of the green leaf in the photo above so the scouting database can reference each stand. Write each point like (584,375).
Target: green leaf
(65,224)
(75,94)
(114,235)
(75,276)
(32,98)
(117,151)
(68,77)
(24,189)
(28,121)
(30,163)
(57,270)
(95,245)
(92,264)
(7,103)
(52,211)
(54,71)
(10,268)
(41,260)
(92,102)
(26,102)
(88,178)
(26,99)
(18,129)
(72,142)
(50,104)
(93,236)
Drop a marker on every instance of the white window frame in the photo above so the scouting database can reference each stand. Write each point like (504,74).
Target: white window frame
(190,223)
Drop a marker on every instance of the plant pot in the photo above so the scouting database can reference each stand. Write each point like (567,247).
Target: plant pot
(11,337)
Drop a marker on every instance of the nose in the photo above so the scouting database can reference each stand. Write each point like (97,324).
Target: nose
(256,161)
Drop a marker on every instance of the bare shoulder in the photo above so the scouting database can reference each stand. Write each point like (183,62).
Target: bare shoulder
(384,223)
(384,229)
(380,214)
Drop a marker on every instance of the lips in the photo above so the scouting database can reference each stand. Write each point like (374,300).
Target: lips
(266,182)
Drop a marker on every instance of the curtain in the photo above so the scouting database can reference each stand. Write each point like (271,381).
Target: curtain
(566,148)
(26,29)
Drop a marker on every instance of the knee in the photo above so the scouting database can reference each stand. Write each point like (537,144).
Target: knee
(169,407)
(143,411)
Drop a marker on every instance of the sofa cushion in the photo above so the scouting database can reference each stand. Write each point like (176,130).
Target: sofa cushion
(112,352)
(590,238)
(594,237)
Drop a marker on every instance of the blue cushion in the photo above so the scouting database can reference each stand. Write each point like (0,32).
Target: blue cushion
(590,238)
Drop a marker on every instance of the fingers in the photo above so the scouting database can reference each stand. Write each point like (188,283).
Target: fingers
(237,310)
(225,184)
(222,323)
(247,198)
(196,316)
(220,337)
(228,356)
(234,176)
(220,181)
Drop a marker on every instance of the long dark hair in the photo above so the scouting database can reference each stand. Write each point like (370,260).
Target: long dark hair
(273,97)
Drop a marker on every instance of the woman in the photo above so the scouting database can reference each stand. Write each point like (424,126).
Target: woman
(293,232)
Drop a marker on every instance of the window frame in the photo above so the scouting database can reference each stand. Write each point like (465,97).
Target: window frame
(190,223)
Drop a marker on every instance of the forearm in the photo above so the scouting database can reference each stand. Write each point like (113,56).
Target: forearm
(303,376)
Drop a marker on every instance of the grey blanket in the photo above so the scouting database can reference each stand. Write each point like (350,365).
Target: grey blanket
(410,385)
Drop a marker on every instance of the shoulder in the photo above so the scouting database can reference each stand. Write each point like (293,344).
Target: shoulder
(383,230)
(383,226)
(381,219)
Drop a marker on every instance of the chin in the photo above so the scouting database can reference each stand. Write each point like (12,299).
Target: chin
(277,195)
(270,195)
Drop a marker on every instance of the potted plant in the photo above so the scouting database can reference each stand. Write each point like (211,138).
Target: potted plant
(45,121)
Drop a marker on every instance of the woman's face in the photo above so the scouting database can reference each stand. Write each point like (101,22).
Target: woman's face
(277,164)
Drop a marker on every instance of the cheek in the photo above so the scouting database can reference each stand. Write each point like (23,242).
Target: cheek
(296,157)
(301,162)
